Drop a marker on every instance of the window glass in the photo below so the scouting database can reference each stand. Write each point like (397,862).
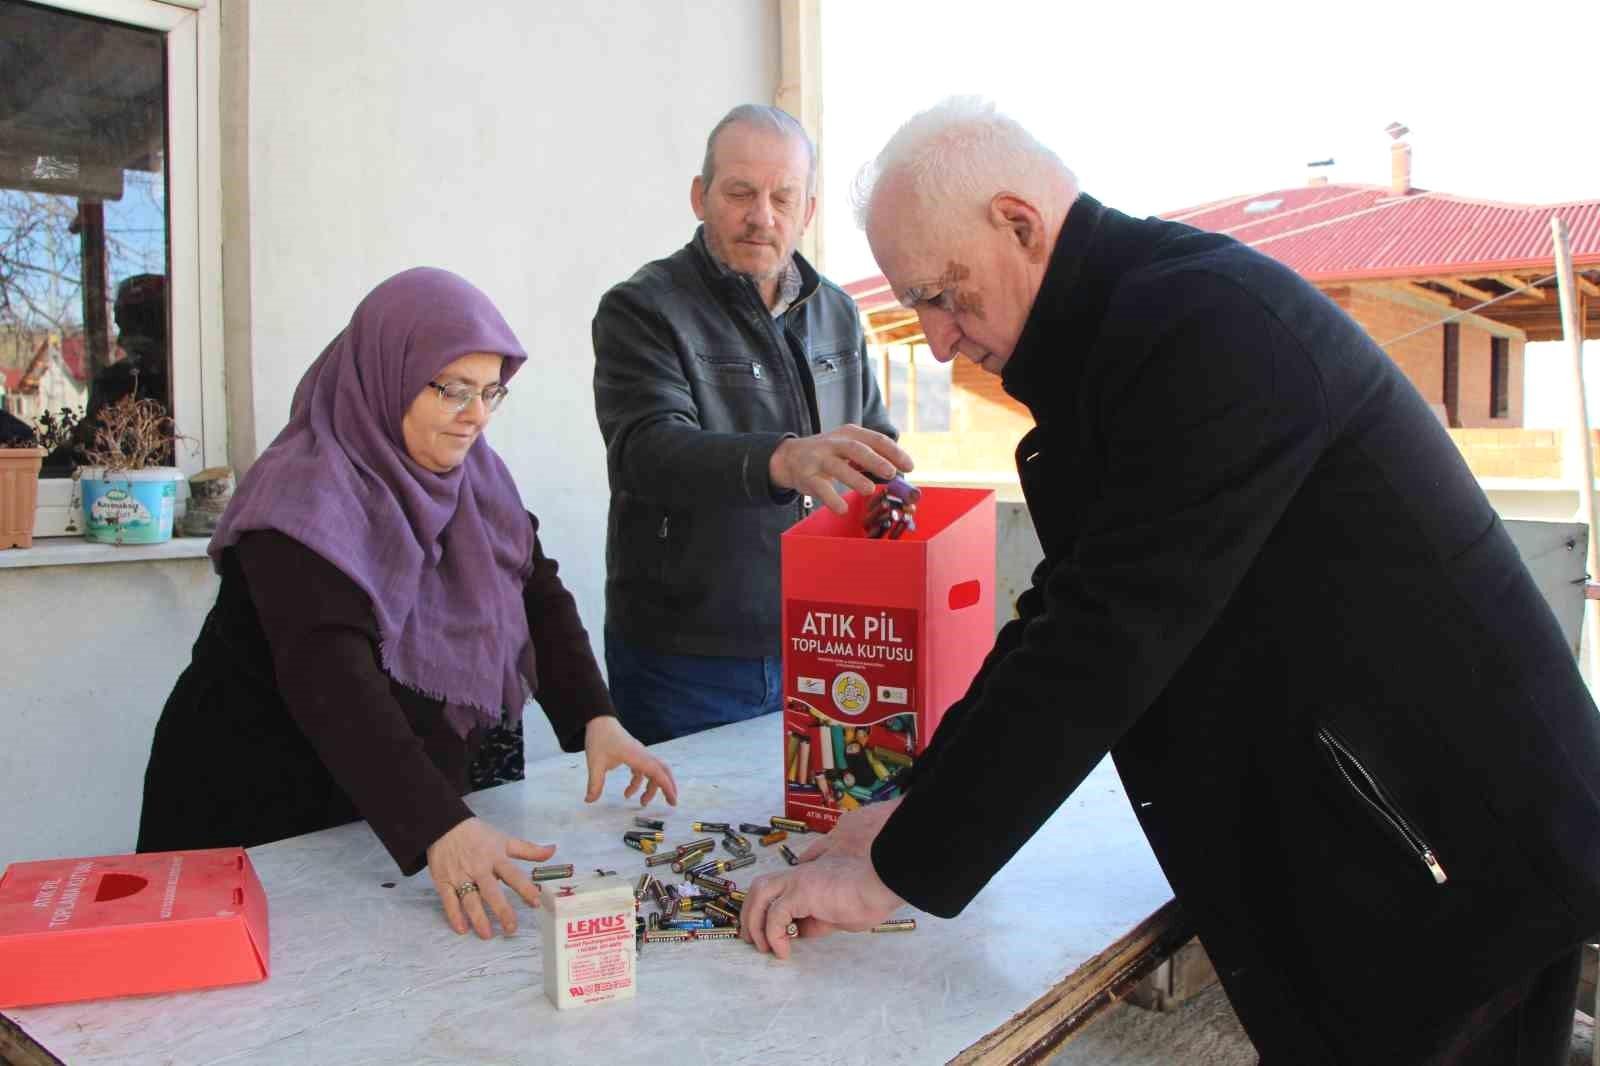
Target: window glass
(83,215)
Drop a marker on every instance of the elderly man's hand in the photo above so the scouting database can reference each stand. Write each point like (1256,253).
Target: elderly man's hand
(834,892)
(814,465)
(854,832)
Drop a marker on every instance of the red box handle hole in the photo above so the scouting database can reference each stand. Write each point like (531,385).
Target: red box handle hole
(964,594)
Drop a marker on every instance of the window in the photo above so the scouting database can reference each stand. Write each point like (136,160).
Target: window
(1452,373)
(1499,377)
(106,285)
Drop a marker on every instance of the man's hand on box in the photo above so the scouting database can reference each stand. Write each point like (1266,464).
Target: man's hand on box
(833,892)
(854,833)
(815,465)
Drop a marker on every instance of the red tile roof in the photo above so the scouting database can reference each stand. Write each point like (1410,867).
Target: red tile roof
(75,353)
(1348,232)
(1330,233)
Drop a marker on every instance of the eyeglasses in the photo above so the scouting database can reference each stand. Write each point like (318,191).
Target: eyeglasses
(457,396)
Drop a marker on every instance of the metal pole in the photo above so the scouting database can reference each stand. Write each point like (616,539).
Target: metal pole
(1572,330)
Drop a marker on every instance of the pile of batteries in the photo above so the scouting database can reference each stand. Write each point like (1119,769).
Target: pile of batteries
(706,905)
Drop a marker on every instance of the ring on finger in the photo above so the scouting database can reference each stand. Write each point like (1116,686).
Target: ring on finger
(465,889)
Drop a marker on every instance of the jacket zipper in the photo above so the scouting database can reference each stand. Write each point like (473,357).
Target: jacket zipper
(1379,801)
(661,534)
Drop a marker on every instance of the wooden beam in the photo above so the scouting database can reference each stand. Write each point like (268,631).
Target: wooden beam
(18,1047)
(1510,281)
(1586,285)
(1427,294)
(1470,291)
(800,92)
(1060,1013)
(892,324)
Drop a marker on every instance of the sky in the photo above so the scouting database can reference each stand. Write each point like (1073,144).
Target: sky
(1158,107)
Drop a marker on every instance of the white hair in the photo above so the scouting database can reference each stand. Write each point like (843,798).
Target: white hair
(962,152)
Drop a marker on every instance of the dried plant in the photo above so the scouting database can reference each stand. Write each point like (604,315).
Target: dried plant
(132,434)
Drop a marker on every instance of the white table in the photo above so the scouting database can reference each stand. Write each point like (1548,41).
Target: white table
(367,974)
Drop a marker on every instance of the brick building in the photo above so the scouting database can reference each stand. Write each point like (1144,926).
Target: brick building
(1399,260)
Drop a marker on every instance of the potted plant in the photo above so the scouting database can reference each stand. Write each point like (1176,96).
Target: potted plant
(128,487)
(21,452)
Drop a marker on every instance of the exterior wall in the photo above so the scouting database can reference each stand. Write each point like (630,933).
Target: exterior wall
(104,644)
(1421,357)
(543,151)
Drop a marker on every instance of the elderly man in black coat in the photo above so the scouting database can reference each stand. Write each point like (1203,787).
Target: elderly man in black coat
(1343,713)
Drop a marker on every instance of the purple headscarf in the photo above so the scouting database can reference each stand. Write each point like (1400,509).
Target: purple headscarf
(443,557)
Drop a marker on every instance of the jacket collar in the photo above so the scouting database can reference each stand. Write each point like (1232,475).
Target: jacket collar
(1097,247)
(729,281)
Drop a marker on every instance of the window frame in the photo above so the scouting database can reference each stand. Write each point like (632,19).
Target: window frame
(194,235)
(1499,377)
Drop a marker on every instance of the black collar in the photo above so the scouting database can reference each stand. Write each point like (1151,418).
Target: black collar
(1097,247)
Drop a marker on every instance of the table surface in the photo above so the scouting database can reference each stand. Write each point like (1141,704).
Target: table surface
(365,974)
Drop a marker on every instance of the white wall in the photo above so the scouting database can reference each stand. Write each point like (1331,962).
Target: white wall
(99,647)
(542,150)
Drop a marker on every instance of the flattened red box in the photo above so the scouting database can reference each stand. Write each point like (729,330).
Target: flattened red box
(880,637)
(120,925)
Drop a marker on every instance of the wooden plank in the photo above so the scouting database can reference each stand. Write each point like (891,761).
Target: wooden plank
(892,324)
(1512,282)
(1060,1014)
(1586,285)
(1458,285)
(800,92)
(17,1048)
(1414,289)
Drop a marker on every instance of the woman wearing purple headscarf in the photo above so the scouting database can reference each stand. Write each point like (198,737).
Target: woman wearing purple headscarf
(385,601)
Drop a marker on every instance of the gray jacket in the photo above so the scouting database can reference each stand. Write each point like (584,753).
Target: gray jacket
(695,385)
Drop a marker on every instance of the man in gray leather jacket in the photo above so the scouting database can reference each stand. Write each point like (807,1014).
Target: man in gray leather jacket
(733,390)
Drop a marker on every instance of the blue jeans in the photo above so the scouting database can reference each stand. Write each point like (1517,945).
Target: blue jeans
(660,696)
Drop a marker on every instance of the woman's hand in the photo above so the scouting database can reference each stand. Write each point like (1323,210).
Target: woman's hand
(606,746)
(477,854)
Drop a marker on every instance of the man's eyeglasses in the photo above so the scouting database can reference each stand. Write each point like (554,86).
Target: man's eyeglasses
(457,396)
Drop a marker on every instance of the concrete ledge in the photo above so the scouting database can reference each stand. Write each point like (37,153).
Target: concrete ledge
(75,551)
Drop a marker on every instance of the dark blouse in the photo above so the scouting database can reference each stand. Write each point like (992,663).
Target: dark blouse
(285,723)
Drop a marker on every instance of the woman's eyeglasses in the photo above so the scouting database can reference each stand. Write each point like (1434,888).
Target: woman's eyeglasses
(457,396)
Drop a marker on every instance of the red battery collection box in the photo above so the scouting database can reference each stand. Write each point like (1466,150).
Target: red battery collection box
(122,925)
(880,637)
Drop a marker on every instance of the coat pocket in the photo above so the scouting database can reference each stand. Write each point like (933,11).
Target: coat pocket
(1369,792)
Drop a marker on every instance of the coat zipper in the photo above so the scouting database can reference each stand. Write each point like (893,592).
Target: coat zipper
(661,534)
(1379,801)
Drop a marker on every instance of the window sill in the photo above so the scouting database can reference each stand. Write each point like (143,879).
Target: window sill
(75,551)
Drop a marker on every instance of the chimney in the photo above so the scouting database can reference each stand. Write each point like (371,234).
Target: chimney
(1315,175)
(1399,160)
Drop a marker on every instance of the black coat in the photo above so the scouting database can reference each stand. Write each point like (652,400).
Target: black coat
(1344,714)
(695,386)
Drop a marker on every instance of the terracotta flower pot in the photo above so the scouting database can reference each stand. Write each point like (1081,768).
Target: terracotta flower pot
(19,495)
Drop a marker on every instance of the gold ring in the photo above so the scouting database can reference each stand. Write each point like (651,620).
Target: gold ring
(465,889)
